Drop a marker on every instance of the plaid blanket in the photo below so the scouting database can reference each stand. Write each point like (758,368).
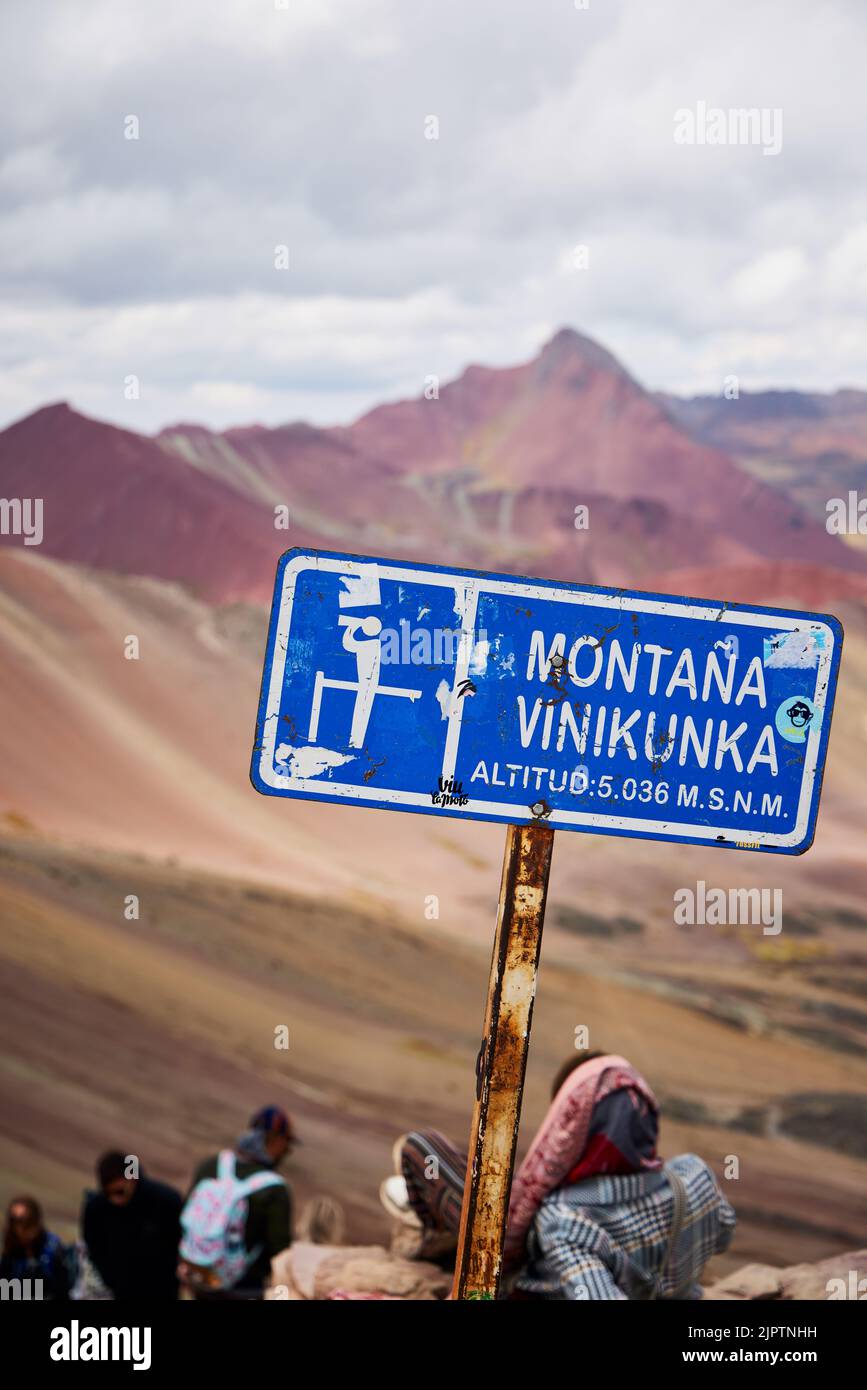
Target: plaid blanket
(559,1152)
(606,1237)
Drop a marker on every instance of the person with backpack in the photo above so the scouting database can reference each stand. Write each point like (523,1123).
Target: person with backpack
(131,1229)
(238,1213)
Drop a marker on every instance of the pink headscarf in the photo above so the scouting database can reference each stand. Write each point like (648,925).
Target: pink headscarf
(562,1138)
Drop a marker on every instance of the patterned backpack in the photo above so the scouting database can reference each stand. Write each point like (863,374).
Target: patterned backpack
(214,1220)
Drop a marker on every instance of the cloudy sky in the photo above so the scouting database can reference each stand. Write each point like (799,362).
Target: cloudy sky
(307,127)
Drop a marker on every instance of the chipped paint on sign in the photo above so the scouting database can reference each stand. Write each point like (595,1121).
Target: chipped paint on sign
(795,649)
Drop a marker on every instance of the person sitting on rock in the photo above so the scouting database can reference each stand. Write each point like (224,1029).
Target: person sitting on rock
(594,1211)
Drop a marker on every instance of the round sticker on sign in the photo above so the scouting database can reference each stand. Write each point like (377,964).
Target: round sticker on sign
(795,718)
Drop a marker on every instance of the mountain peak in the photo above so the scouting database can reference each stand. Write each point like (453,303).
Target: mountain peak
(55,410)
(568,345)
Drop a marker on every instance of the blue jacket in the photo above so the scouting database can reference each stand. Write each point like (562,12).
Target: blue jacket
(51,1263)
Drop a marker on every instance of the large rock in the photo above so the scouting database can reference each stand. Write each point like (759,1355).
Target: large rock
(753,1281)
(307,1271)
(842,1276)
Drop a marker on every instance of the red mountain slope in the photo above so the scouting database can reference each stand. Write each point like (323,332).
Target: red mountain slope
(488,475)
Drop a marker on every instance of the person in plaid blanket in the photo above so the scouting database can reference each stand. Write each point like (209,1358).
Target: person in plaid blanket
(594,1212)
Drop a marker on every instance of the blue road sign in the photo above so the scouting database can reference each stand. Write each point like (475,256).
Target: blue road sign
(486,697)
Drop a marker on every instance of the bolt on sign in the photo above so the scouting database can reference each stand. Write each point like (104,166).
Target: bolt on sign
(543,705)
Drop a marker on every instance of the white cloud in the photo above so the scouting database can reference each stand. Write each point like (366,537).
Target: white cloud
(770,276)
(408,256)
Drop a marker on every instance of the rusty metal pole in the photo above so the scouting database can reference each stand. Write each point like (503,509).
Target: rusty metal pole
(503,1060)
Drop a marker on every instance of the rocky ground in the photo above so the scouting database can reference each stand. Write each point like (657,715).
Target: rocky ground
(308,1271)
(843,1276)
